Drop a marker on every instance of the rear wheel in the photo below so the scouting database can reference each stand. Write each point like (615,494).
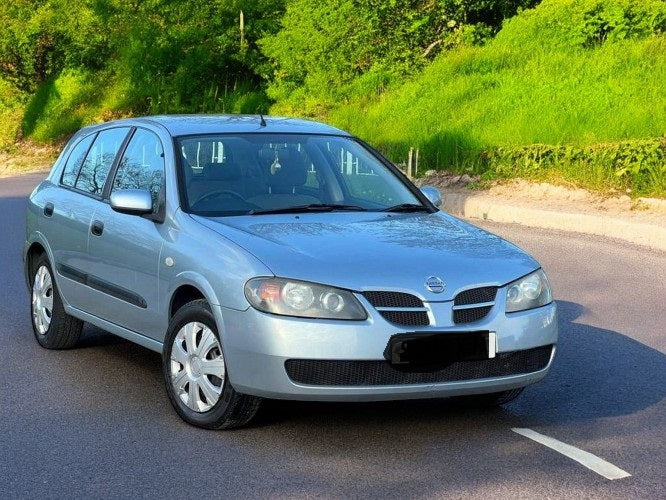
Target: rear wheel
(195,372)
(53,327)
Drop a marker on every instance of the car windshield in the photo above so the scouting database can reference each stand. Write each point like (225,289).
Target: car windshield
(252,174)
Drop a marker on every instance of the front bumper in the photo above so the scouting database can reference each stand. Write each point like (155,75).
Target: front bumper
(258,347)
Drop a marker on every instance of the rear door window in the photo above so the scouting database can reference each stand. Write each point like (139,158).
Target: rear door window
(95,169)
(75,161)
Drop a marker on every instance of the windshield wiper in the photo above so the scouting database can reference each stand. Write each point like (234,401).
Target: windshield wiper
(313,207)
(407,207)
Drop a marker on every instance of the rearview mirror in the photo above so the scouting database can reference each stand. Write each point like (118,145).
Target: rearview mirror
(132,201)
(433,194)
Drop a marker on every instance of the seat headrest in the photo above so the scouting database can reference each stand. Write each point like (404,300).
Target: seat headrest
(221,171)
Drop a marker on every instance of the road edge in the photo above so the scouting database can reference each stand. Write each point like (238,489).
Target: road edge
(485,208)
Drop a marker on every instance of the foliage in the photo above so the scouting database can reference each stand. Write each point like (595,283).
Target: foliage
(144,57)
(189,56)
(511,93)
(585,23)
(454,78)
(335,50)
(638,166)
(40,37)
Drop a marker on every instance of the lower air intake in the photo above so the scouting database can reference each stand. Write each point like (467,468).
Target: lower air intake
(369,373)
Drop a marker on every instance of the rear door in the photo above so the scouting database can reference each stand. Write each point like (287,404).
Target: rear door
(126,249)
(68,210)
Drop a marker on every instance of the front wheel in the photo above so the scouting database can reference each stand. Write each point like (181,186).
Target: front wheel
(53,327)
(195,372)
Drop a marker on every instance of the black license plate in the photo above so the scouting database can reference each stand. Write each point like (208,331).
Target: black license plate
(433,350)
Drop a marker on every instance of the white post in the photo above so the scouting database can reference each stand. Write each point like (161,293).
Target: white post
(416,163)
(409,162)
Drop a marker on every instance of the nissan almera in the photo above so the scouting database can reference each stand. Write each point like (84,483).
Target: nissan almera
(269,257)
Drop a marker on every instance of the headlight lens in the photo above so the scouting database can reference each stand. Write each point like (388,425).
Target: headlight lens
(302,299)
(528,292)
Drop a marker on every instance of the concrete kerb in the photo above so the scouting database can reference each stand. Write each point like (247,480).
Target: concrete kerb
(483,207)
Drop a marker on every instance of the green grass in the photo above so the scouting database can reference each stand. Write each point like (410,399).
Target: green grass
(477,99)
(570,72)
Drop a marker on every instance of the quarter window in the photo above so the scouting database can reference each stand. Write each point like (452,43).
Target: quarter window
(142,165)
(75,161)
(97,164)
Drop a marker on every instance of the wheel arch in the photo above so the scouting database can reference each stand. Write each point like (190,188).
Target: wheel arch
(33,250)
(190,286)
(183,295)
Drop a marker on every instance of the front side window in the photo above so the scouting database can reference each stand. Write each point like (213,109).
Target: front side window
(248,174)
(95,169)
(142,165)
(75,161)
(356,167)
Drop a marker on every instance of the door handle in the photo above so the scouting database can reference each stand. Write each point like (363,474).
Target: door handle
(48,209)
(97,227)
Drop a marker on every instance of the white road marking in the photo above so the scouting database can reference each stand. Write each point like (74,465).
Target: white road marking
(592,462)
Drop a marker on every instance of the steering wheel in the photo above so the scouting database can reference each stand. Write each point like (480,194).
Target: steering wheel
(217,193)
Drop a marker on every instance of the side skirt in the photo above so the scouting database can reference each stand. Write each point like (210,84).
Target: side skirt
(137,338)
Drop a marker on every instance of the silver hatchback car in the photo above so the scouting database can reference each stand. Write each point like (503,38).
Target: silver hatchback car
(270,257)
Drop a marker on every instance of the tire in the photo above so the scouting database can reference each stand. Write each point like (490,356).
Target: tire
(495,398)
(53,327)
(195,373)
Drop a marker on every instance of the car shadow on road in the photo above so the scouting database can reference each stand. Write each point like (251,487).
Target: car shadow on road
(596,373)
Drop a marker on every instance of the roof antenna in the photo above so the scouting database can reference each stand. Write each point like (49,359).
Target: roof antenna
(263,122)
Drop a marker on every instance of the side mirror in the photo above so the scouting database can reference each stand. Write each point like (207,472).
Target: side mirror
(433,194)
(132,201)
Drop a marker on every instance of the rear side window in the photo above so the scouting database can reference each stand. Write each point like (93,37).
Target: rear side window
(97,164)
(142,165)
(75,161)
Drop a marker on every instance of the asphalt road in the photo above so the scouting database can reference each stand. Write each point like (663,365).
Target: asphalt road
(95,421)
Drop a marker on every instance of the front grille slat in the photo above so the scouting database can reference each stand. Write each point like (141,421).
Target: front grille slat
(392,299)
(371,373)
(470,315)
(399,308)
(476,296)
(483,298)
(406,318)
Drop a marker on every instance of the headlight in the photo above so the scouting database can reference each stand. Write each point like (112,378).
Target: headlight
(528,292)
(299,298)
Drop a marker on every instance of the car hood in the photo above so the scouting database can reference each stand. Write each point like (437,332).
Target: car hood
(377,251)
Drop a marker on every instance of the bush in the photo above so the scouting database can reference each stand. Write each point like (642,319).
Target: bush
(332,51)
(638,166)
(584,23)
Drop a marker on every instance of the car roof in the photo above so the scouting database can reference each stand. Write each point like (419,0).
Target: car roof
(179,125)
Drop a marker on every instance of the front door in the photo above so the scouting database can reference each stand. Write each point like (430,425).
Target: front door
(125,249)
